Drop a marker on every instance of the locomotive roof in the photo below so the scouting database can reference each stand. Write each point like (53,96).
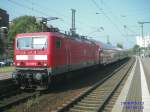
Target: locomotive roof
(75,37)
(107,46)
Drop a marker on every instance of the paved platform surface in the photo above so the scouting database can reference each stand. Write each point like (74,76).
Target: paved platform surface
(6,75)
(135,95)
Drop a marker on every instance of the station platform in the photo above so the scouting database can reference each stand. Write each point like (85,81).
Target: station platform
(135,95)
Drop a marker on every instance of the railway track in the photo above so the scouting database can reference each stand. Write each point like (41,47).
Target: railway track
(10,95)
(97,97)
(62,92)
(17,98)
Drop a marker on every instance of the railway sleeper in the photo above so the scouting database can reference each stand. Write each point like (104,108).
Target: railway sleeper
(107,110)
(100,91)
(88,104)
(76,110)
(89,108)
(94,96)
(91,101)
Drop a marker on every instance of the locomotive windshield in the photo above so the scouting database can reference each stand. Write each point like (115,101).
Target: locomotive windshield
(31,42)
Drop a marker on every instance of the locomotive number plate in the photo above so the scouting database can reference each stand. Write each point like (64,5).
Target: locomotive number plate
(30,57)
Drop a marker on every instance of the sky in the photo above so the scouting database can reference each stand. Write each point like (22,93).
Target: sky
(97,19)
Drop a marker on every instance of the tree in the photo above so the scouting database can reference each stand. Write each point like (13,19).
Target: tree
(119,45)
(136,48)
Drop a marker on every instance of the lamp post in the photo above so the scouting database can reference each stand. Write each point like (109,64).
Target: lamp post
(142,34)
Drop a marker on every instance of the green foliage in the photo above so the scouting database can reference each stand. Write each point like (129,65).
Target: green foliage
(119,45)
(6,69)
(32,105)
(23,24)
(136,48)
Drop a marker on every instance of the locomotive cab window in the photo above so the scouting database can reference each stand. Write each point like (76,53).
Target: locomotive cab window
(32,42)
(58,43)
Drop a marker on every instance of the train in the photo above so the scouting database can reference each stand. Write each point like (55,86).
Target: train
(39,56)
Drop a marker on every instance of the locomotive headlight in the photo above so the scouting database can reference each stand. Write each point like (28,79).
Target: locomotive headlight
(42,63)
(38,76)
(18,64)
(45,64)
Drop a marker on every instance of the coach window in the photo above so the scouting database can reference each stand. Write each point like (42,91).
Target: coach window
(58,43)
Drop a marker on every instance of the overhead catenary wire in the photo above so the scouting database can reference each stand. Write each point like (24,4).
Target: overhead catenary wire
(45,14)
(113,23)
(126,28)
(48,9)
(65,20)
(32,9)
(11,15)
(116,18)
(100,9)
(29,8)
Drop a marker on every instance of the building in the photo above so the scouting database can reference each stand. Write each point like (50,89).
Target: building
(143,42)
(4,18)
(4,24)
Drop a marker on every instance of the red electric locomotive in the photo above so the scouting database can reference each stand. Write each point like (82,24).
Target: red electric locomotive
(41,55)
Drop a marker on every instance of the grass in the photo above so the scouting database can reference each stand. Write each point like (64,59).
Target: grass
(32,105)
(6,69)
